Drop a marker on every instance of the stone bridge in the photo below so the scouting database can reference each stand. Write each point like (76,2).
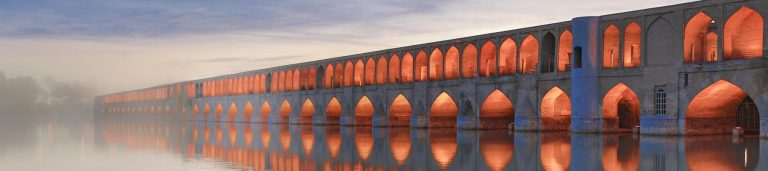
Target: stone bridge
(693,68)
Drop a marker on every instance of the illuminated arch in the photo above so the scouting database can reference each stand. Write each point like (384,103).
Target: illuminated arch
(328,77)
(488,59)
(452,63)
(508,57)
(716,109)
(219,110)
(621,107)
(312,78)
(206,110)
(288,85)
(743,35)
(381,70)
(195,109)
(370,72)
(348,73)
(232,111)
(565,50)
(285,108)
(364,111)
(469,62)
(339,75)
(497,110)
(308,108)
(400,111)
(359,73)
(632,46)
(436,65)
(281,82)
(695,42)
(334,107)
(443,112)
(611,47)
(548,53)
(406,74)
(394,69)
(556,110)
(420,68)
(529,54)
(297,79)
(248,111)
(265,111)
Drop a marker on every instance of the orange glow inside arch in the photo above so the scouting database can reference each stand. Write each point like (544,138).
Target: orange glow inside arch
(452,63)
(443,106)
(497,104)
(285,108)
(308,108)
(743,35)
(529,54)
(334,107)
(469,62)
(555,103)
(364,107)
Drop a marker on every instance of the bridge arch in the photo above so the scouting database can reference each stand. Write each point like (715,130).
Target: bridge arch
(420,68)
(394,69)
(333,111)
(469,61)
(328,77)
(497,111)
(400,111)
(195,109)
(548,53)
(611,47)
(232,111)
(348,73)
(436,65)
(555,110)
(743,35)
(564,52)
(720,107)
(488,59)
(359,73)
(621,108)
(443,111)
(297,79)
(452,63)
(265,110)
(529,54)
(219,110)
(406,73)
(508,57)
(364,111)
(632,46)
(339,75)
(307,111)
(370,71)
(381,70)
(697,48)
(247,111)
(285,111)
(206,111)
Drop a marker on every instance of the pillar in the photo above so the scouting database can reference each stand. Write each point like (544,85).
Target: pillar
(584,78)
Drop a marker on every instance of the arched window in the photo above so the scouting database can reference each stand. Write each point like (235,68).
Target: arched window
(370,71)
(381,70)
(695,39)
(436,65)
(420,69)
(349,70)
(469,62)
(452,63)
(743,35)
(394,69)
(359,73)
(565,51)
(488,59)
(529,55)
(328,77)
(611,47)
(508,56)
(632,45)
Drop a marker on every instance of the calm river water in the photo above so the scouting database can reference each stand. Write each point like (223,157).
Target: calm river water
(142,145)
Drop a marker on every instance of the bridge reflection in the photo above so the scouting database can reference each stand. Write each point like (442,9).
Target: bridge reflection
(307,147)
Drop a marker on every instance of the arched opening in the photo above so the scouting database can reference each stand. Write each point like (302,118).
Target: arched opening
(307,110)
(611,47)
(206,111)
(406,73)
(621,108)
(285,111)
(469,62)
(400,111)
(328,77)
(695,39)
(632,45)
(364,142)
(529,54)
(381,70)
(565,50)
(443,112)
(359,73)
(508,57)
(219,110)
(743,35)
(312,78)
(364,111)
(555,152)
(289,81)
(370,71)
(555,110)
(488,59)
(248,111)
(348,73)
(420,70)
(497,151)
(281,82)
(339,75)
(297,79)
(195,109)
(719,108)
(263,83)
(302,78)
(333,111)
(497,111)
(444,145)
(436,65)
(394,69)
(400,144)
(265,111)
(548,53)
(452,63)
(232,111)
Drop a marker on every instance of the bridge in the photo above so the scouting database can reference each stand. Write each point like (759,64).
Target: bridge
(693,68)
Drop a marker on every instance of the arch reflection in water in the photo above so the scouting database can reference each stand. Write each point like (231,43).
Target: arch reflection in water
(307,147)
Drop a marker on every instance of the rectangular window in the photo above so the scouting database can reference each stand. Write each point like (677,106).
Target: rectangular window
(661,102)
(577,57)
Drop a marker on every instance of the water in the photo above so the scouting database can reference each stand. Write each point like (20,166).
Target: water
(134,145)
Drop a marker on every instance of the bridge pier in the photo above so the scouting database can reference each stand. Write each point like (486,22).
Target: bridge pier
(584,76)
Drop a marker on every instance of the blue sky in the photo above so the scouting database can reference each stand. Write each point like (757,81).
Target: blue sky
(126,44)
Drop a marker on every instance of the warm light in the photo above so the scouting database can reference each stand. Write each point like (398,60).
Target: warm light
(334,107)
(265,110)
(364,107)
(364,142)
(497,154)
(451,63)
(443,146)
(555,154)
(436,65)
(743,35)
(529,54)
(308,139)
(307,109)
(469,62)
(508,57)
(555,103)
(497,104)
(611,47)
(443,106)
(400,143)
(285,109)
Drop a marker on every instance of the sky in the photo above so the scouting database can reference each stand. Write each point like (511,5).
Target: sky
(117,45)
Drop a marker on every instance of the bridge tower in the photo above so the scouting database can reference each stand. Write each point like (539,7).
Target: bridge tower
(584,76)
